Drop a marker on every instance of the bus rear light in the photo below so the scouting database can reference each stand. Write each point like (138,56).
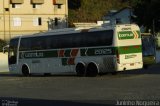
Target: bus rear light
(136,46)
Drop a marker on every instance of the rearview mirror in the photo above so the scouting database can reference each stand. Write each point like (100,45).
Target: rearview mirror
(5,49)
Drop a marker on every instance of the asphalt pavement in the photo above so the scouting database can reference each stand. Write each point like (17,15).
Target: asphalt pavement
(101,90)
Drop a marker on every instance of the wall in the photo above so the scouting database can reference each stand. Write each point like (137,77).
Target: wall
(28,14)
(3,62)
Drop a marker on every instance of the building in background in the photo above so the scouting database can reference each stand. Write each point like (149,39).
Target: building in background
(123,16)
(21,17)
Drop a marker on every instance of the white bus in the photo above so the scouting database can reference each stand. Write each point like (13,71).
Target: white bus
(85,52)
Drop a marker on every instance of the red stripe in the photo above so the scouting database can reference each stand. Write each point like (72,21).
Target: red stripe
(71,61)
(61,53)
(74,52)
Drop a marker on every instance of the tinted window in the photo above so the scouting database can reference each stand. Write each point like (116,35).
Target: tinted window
(85,39)
(38,43)
(13,51)
(25,44)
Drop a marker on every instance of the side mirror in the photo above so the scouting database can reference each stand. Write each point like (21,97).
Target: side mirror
(5,48)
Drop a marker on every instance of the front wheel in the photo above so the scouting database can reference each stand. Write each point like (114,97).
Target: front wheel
(25,70)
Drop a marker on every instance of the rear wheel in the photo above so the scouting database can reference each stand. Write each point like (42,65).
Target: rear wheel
(25,70)
(92,70)
(80,69)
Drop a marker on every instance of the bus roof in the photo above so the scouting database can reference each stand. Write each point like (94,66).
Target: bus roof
(65,31)
(72,30)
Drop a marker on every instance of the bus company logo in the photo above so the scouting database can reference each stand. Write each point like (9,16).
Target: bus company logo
(123,35)
(31,55)
(128,35)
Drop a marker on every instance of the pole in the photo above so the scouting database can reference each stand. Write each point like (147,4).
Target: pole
(154,36)
(9,21)
(4,22)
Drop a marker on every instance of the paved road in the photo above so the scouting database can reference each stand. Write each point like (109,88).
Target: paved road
(130,85)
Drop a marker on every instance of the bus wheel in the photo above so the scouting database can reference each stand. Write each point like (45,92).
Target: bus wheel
(25,70)
(92,70)
(80,69)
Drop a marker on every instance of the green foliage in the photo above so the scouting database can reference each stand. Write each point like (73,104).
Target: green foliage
(2,44)
(147,11)
(93,10)
(74,4)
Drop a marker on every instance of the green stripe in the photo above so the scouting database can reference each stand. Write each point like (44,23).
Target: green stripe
(130,49)
(38,54)
(83,52)
(98,51)
(64,61)
(67,52)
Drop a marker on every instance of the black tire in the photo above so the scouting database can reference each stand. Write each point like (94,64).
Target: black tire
(80,69)
(25,71)
(92,70)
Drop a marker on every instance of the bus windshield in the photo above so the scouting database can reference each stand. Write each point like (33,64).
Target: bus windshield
(13,51)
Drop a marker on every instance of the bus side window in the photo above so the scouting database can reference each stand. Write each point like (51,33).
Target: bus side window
(25,44)
(48,43)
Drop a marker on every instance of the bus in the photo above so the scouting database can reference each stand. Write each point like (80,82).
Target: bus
(148,49)
(82,52)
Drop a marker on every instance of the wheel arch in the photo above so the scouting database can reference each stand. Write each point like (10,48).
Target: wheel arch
(80,62)
(97,65)
(25,65)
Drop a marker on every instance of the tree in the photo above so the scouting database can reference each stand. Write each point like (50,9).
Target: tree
(74,4)
(2,44)
(92,10)
(147,12)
